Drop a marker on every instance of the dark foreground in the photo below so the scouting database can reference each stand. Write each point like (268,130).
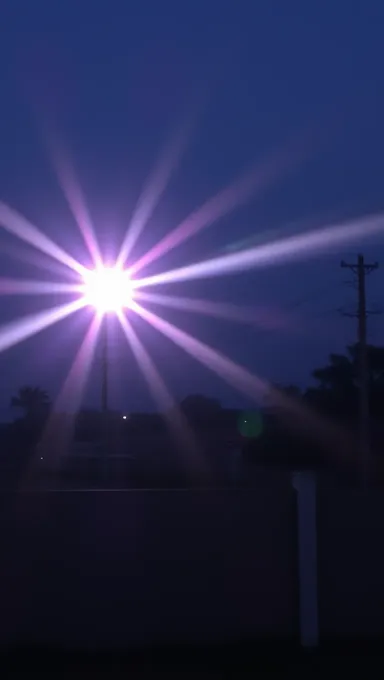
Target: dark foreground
(195,580)
(102,568)
(228,659)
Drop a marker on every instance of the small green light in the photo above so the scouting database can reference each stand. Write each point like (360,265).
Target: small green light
(250,424)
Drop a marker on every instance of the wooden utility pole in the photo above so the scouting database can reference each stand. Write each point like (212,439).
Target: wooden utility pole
(361,269)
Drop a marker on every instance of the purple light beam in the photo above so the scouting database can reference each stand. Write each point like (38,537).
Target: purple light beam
(250,185)
(273,253)
(250,385)
(262,318)
(17,331)
(71,189)
(30,287)
(19,226)
(177,423)
(152,193)
(58,432)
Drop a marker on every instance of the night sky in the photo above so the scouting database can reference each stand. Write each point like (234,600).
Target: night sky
(114,83)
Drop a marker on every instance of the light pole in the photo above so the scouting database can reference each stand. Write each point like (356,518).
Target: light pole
(104,369)
(105,384)
(107,290)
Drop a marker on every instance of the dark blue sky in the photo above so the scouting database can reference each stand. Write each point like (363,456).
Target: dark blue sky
(114,80)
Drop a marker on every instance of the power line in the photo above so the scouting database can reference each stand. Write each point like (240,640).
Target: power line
(361,269)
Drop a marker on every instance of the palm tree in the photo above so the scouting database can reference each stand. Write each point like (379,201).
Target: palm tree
(33,401)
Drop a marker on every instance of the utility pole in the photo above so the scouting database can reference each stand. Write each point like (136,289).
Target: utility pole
(361,269)
(105,385)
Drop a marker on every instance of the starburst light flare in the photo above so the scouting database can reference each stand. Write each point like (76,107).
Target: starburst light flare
(107,289)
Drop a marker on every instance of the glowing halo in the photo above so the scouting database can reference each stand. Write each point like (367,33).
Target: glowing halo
(107,289)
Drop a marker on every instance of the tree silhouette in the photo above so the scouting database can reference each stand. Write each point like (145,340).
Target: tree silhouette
(199,409)
(34,402)
(337,390)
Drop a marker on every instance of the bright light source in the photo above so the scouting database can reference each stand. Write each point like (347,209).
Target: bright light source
(124,417)
(107,289)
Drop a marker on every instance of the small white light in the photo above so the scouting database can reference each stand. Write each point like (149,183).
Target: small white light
(41,458)
(124,417)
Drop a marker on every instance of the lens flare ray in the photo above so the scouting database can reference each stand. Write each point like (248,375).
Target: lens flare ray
(274,253)
(262,318)
(162,396)
(24,252)
(147,366)
(72,391)
(247,187)
(59,429)
(206,355)
(155,188)
(249,384)
(19,226)
(31,287)
(17,331)
(71,189)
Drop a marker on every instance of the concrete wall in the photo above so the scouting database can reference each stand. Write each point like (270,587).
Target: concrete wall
(110,567)
(351,562)
(106,566)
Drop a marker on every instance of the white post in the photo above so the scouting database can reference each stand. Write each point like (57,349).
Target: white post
(305,484)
